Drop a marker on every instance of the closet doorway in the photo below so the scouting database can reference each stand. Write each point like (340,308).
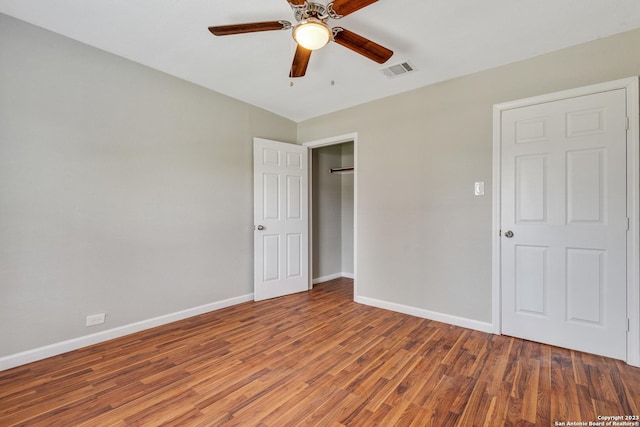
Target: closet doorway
(333,177)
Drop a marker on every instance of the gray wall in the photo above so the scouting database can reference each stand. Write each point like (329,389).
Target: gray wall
(424,239)
(122,190)
(327,211)
(332,204)
(126,191)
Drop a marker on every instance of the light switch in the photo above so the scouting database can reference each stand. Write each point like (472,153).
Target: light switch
(479,188)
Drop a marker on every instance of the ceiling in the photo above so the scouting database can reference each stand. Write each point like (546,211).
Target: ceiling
(442,39)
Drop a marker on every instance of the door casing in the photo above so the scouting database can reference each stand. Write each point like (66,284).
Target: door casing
(340,139)
(631,86)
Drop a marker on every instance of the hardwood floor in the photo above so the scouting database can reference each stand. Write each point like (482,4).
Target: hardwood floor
(316,358)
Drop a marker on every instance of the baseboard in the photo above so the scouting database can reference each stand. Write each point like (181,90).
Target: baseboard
(427,314)
(332,277)
(18,359)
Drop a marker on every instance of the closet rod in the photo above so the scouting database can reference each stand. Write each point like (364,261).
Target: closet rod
(342,170)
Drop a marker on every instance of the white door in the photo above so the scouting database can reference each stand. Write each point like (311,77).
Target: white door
(281,219)
(564,223)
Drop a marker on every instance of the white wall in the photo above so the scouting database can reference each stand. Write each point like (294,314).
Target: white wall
(424,239)
(122,190)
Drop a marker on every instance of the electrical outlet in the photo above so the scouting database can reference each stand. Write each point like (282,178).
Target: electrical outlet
(96,319)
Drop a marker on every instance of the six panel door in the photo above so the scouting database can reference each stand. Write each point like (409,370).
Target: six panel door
(281,260)
(563,268)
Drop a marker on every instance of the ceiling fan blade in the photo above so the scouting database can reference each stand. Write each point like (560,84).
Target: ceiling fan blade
(345,7)
(361,45)
(296,2)
(251,27)
(300,62)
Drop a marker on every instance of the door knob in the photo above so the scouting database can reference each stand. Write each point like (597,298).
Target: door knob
(508,234)
(260,227)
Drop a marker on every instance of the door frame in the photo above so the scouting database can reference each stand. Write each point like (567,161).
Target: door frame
(631,85)
(335,140)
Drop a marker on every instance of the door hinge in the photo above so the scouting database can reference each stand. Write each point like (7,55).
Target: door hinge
(628,324)
(628,223)
(627,123)
(499,233)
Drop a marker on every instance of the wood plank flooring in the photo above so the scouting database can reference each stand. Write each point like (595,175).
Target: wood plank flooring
(316,358)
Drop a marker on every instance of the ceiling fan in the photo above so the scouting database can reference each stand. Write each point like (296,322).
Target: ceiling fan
(311,31)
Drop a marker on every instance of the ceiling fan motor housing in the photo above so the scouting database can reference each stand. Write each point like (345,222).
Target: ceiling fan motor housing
(312,10)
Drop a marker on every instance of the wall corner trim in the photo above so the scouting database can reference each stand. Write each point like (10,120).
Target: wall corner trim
(18,359)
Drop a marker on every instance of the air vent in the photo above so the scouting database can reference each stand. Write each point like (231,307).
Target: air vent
(398,70)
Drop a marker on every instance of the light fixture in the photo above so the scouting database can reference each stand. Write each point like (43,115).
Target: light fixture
(312,34)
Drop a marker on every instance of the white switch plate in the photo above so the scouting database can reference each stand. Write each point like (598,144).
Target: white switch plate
(95,319)
(479,188)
